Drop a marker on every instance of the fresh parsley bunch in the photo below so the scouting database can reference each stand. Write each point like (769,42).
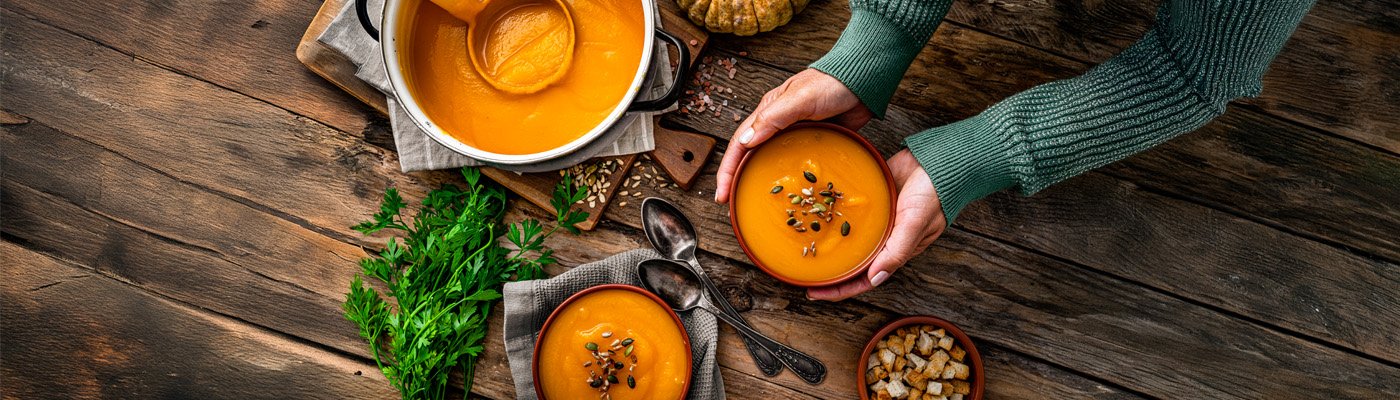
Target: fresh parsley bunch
(444,276)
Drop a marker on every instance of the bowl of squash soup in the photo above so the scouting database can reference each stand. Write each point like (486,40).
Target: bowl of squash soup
(612,341)
(489,107)
(813,204)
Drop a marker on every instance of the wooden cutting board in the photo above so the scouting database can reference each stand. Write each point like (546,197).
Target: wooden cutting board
(671,151)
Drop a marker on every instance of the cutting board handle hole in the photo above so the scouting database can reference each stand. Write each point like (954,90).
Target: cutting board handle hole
(688,156)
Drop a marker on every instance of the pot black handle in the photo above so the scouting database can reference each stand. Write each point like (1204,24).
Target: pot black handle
(674,93)
(362,12)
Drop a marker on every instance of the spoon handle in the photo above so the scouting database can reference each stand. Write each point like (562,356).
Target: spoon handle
(765,360)
(804,366)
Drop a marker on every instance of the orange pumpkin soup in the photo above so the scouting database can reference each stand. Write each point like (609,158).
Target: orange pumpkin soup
(439,72)
(812,205)
(649,351)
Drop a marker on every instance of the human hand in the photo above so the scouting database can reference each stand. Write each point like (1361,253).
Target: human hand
(918,221)
(808,95)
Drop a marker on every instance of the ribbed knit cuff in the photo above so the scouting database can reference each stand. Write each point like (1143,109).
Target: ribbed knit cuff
(967,160)
(870,58)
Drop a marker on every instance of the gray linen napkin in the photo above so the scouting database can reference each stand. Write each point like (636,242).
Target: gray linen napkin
(418,152)
(529,303)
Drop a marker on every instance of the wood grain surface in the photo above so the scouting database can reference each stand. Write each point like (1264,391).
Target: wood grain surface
(177,191)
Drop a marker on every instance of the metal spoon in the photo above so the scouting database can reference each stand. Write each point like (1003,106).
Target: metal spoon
(671,234)
(680,288)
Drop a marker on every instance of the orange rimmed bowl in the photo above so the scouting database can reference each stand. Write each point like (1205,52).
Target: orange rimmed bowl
(974,359)
(627,311)
(834,154)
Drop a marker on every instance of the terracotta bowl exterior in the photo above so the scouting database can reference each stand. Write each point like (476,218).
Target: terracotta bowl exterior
(973,357)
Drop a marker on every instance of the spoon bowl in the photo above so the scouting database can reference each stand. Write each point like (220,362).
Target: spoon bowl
(673,282)
(669,232)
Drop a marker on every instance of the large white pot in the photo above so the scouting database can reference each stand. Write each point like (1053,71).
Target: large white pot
(394,16)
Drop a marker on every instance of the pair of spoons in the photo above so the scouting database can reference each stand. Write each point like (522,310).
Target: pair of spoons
(683,285)
(517,46)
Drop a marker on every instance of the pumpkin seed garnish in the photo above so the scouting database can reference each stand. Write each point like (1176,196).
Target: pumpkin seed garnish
(845,228)
(776,189)
(612,379)
(591,346)
(595,383)
(631,382)
(627,342)
(796,200)
(628,352)
(792,221)
(607,334)
(807,191)
(816,226)
(810,176)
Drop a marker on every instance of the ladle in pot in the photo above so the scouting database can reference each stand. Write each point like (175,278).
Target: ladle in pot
(517,46)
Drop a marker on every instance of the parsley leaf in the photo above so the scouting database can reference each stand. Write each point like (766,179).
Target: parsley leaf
(444,273)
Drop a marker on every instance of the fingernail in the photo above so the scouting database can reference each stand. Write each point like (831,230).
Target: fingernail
(716,197)
(879,278)
(746,137)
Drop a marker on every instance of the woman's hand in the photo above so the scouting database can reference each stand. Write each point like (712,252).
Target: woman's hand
(918,221)
(809,95)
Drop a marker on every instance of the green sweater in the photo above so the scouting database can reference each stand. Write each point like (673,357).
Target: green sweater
(1198,56)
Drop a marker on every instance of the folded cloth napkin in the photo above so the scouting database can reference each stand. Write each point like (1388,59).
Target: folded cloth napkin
(529,303)
(417,152)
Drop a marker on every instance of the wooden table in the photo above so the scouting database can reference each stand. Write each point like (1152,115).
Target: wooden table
(177,191)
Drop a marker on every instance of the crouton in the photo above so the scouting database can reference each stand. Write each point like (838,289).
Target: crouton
(939,333)
(916,361)
(946,342)
(887,359)
(962,387)
(958,353)
(955,396)
(915,393)
(878,386)
(955,370)
(933,387)
(947,389)
(899,364)
(917,381)
(896,345)
(936,363)
(925,344)
(883,394)
(909,343)
(897,389)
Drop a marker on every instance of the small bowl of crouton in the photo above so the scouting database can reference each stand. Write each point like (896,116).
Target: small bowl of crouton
(920,358)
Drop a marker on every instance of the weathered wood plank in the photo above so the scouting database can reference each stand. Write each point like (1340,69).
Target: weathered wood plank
(247,47)
(143,244)
(71,333)
(1337,73)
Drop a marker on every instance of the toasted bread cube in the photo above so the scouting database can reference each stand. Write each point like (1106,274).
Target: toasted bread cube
(881,345)
(925,344)
(955,396)
(899,364)
(887,359)
(947,389)
(933,387)
(939,333)
(883,395)
(962,387)
(877,374)
(897,345)
(896,376)
(917,381)
(958,353)
(873,361)
(955,370)
(915,361)
(945,343)
(936,363)
(915,393)
(909,343)
(878,386)
(897,389)
(933,396)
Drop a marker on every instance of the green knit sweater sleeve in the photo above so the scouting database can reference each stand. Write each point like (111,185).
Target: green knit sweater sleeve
(1199,55)
(880,41)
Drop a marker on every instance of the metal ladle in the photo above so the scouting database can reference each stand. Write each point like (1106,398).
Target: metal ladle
(487,27)
(672,234)
(680,288)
